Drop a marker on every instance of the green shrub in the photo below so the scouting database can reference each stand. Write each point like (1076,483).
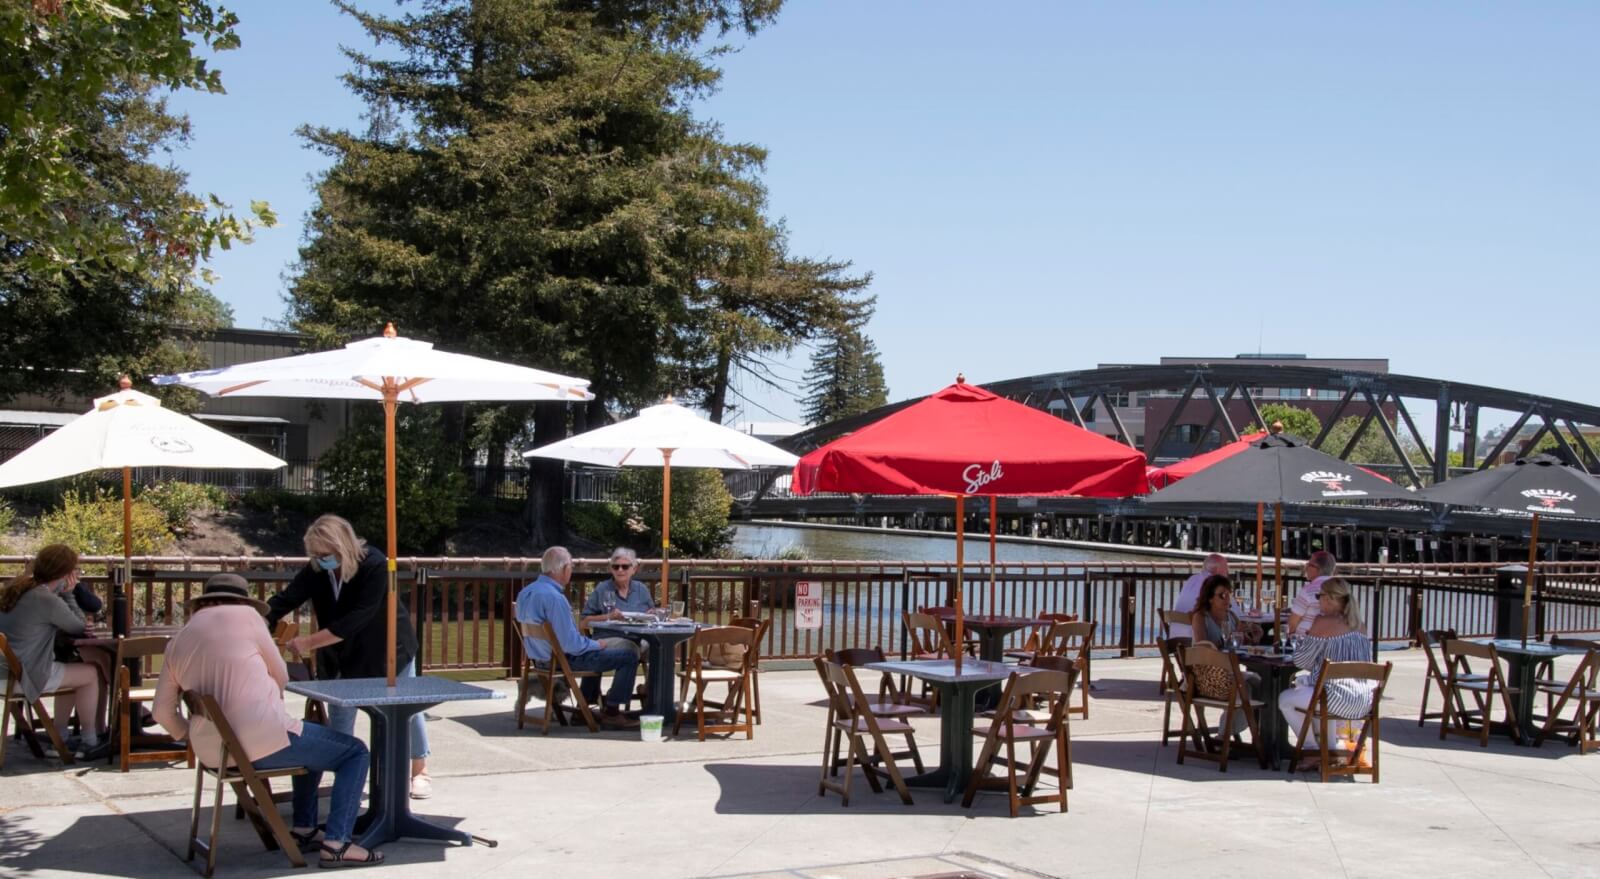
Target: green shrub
(429,485)
(700,505)
(180,502)
(600,521)
(92,524)
(8,517)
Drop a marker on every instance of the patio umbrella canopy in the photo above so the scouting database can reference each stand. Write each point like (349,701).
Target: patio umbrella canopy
(1161,477)
(1542,485)
(1279,469)
(965,441)
(387,370)
(125,430)
(661,436)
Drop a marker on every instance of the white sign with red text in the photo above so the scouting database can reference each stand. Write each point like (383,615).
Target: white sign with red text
(807,605)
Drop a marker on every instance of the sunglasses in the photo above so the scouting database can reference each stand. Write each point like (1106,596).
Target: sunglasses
(621,566)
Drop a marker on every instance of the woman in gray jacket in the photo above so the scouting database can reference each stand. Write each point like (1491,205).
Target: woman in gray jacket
(33,608)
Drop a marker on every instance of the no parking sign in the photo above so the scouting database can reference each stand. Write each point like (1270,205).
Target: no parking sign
(807,605)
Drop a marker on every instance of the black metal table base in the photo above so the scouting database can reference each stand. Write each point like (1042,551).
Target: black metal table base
(955,740)
(388,816)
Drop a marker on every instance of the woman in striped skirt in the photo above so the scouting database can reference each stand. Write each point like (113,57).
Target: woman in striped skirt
(1335,636)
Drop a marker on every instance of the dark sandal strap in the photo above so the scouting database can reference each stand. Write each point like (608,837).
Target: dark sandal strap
(341,859)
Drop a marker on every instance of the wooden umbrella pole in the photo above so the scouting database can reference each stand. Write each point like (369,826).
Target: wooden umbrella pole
(991,553)
(666,523)
(391,399)
(1527,581)
(1261,522)
(961,571)
(121,614)
(1278,601)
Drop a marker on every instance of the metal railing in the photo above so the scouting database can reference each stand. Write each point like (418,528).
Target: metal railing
(464,608)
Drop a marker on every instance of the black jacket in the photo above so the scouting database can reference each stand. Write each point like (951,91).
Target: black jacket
(357,617)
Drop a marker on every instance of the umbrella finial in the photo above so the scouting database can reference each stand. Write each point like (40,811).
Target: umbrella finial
(961,378)
(1277,427)
(124,383)
(388,330)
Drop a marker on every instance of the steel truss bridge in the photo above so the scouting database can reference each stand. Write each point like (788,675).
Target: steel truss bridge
(1456,407)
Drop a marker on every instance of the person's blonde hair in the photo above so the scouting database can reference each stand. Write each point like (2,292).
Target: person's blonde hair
(1338,587)
(51,564)
(338,536)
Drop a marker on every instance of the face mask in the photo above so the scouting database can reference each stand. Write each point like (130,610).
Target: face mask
(328,562)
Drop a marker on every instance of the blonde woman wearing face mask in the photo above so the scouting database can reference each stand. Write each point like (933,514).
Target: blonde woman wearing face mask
(347,583)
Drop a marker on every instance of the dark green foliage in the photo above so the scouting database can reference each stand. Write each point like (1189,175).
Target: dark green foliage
(180,502)
(600,521)
(1302,423)
(429,485)
(700,506)
(845,378)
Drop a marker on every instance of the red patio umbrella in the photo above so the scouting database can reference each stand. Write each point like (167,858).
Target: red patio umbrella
(965,441)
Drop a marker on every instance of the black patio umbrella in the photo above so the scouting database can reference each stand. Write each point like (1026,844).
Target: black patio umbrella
(1280,469)
(1542,485)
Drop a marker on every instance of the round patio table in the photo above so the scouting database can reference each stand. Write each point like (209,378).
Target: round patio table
(661,645)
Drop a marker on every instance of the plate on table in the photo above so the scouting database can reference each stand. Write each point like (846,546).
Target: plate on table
(632,616)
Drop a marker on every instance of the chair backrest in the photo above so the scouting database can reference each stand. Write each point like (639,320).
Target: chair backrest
(1057,617)
(1429,639)
(13,670)
(822,664)
(1209,672)
(1066,637)
(707,641)
(1063,664)
(1053,685)
(848,699)
(757,626)
(1169,617)
(1470,649)
(1172,657)
(140,647)
(857,655)
(205,707)
(927,635)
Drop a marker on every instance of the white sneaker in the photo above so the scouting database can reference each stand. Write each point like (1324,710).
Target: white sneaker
(421,786)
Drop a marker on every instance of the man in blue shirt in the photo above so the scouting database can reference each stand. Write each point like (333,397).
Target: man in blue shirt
(544,600)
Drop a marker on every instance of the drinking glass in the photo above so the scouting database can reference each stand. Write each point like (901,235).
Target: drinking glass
(677,609)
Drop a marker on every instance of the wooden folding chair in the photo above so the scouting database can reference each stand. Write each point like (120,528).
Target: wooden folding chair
(701,673)
(928,640)
(970,641)
(1015,723)
(557,670)
(1336,754)
(249,788)
(1168,617)
(1072,639)
(301,668)
(1580,728)
(759,627)
(1212,679)
(851,722)
(1172,650)
(1436,678)
(17,706)
(1031,645)
(1460,680)
(889,703)
(127,699)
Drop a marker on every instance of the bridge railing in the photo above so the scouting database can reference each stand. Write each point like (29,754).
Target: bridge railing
(464,608)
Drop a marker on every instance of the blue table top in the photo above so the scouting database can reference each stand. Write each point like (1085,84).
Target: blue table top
(359,692)
(1534,648)
(944,670)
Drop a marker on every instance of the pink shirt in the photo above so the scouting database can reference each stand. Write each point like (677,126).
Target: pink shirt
(225,652)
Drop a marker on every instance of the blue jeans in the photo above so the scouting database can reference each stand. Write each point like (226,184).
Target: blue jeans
(343,719)
(320,749)
(622,660)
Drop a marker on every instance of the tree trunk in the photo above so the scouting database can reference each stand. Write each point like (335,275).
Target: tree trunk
(546,490)
(718,401)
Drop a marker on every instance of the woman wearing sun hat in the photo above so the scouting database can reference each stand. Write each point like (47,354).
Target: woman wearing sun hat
(226,652)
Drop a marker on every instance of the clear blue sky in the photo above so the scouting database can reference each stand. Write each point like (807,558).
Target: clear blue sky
(1043,186)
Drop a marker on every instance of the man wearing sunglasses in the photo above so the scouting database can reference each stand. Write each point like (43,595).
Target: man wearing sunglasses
(619,594)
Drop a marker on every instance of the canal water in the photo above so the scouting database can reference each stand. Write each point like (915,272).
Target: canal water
(772,541)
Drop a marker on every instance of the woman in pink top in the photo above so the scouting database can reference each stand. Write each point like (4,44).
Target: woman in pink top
(225,652)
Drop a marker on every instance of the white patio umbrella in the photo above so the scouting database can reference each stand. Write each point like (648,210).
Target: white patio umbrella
(123,431)
(386,370)
(660,436)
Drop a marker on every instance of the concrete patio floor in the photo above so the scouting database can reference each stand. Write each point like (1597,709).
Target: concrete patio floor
(609,805)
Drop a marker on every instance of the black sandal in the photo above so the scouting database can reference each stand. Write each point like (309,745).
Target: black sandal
(308,842)
(339,859)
